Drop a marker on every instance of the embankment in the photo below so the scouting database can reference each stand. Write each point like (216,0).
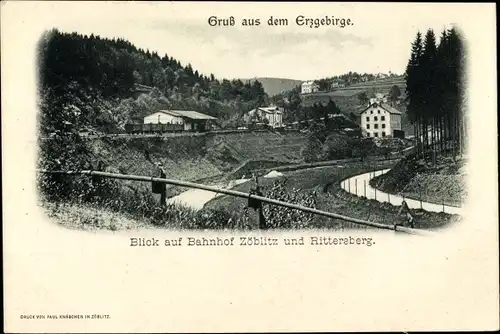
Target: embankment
(189,158)
(204,158)
(442,182)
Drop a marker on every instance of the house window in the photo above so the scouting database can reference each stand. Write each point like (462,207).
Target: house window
(383,126)
(378,111)
(375,134)
(375,126)
(367,126)
(382,118)
(375,118)
(368,119)
(371,111)
(383,134)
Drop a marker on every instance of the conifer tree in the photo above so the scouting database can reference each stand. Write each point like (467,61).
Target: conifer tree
(435,91)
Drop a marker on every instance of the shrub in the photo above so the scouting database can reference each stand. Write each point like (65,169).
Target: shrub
(282,217)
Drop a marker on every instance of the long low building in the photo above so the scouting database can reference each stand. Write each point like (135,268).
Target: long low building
(192,120)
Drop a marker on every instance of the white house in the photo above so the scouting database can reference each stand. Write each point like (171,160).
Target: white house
(309,87)
(191,120)
(273,115)
(380,120)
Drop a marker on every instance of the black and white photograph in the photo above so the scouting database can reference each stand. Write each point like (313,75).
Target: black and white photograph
(381,142)
(218,166)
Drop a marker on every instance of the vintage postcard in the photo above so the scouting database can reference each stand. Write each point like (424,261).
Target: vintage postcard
(249,167)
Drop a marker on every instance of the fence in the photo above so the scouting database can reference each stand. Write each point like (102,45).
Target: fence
(415,202)
(242,195)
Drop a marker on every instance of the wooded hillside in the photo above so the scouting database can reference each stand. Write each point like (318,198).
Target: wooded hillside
(89,81)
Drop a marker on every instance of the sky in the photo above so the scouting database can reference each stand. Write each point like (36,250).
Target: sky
(378,41)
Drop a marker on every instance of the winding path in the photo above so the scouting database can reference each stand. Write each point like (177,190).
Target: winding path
(359,185)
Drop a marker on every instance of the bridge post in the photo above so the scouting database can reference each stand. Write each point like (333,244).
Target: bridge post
(159,187)
(262,219)
(257,203)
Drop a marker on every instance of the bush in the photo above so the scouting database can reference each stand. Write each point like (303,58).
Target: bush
(337,147)
(281,217)
(312,150)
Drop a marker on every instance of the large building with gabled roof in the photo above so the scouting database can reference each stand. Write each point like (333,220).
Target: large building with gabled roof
(192,120)
(309,87)
(380,120)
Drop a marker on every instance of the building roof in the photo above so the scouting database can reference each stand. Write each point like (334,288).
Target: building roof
(187,114)
(384,106)
(309,83)
(390,109)
(269,110)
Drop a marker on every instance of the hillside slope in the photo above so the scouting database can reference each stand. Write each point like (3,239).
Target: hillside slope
(89,81)
(184,157)
(380,85)
(414,178)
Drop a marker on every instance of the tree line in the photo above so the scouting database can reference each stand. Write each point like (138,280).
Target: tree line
(82,68)
(349,78)
(292,104)
(435,91)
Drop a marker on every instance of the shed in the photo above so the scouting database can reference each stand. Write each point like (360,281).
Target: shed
(192,120)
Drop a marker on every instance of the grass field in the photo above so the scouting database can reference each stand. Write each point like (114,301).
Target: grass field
(382,84)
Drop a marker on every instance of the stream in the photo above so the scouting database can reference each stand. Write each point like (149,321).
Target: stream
(197,198)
